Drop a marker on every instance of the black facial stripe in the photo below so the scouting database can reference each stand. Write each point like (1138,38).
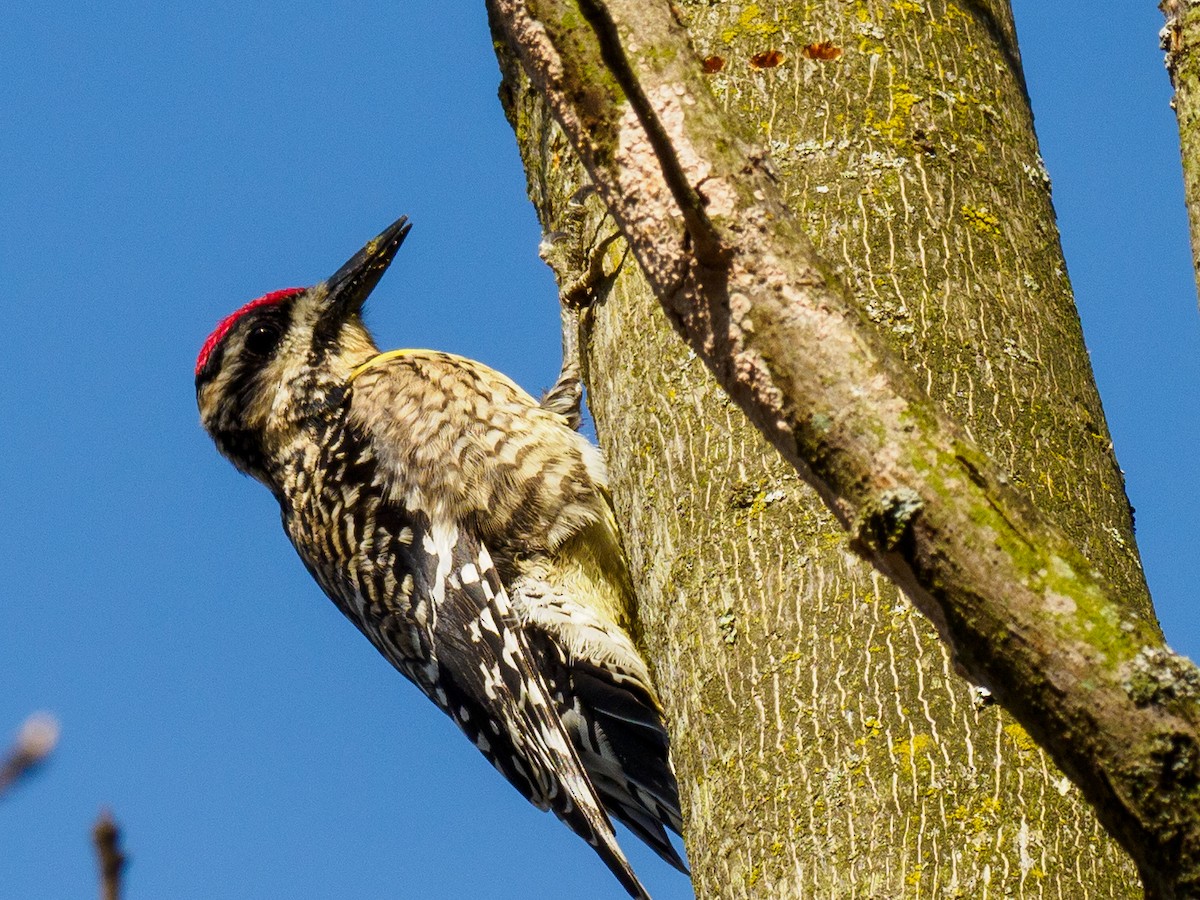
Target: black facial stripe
(326,335)
(211,366)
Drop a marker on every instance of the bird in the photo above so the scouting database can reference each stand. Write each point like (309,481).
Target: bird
(467,530)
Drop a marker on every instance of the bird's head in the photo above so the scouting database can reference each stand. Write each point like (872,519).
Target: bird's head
(273,365)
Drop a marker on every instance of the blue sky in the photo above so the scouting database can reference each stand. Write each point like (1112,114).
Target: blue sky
(164,165)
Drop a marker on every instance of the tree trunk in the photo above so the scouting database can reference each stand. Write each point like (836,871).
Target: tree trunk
(824,744)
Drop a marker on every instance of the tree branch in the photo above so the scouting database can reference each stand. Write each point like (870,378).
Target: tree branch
(1180,39)
(1025,614)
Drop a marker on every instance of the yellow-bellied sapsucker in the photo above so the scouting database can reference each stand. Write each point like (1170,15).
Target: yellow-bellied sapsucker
(466,530)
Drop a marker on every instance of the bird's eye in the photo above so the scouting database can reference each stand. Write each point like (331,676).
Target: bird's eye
(262,338)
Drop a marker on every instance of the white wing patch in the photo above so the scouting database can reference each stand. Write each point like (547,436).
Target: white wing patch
(439,543)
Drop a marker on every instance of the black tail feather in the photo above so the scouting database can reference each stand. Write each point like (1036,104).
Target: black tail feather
(625,748)
(646,818)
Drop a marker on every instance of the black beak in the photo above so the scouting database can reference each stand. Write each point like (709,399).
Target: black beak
(348,288)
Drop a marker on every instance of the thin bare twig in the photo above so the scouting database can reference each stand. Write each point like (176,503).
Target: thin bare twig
(106,837)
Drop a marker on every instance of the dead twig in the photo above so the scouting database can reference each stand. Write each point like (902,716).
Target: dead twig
(106,837)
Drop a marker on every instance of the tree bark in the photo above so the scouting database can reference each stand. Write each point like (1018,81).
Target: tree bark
(886,300)
(1181,40)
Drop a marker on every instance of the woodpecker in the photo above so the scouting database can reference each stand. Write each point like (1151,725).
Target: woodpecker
(467,531)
